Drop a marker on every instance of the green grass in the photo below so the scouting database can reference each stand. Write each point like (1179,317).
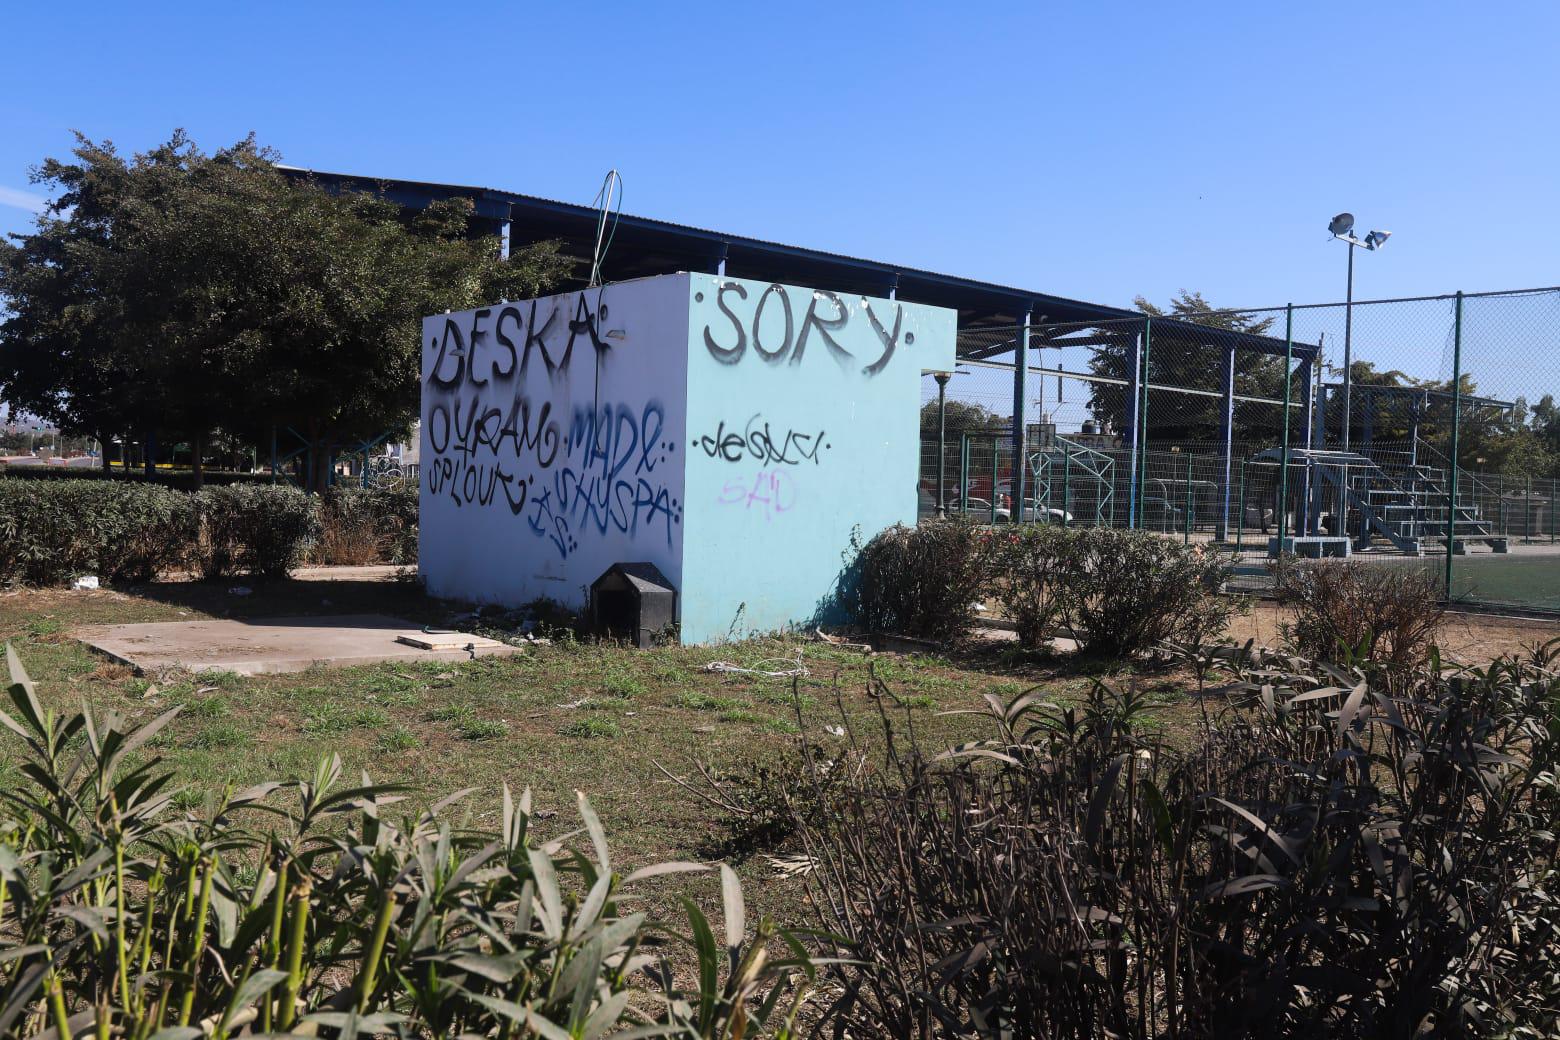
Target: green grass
(450,713)
(590,726)
(693,700)
(398,739)
(221,736)
(334,717)
(439,727)
(481,729)
(619,684)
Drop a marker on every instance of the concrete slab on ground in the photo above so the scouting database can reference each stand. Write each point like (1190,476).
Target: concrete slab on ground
(289,644)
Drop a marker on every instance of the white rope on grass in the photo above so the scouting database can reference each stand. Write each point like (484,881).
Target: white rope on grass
(797,671)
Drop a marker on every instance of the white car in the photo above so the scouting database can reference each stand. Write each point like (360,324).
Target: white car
(980,508)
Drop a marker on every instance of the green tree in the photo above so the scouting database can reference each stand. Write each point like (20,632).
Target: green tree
(179,292)
(1185,357)
(961,416)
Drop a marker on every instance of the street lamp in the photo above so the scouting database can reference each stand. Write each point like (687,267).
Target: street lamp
(942,441)
(1342,227)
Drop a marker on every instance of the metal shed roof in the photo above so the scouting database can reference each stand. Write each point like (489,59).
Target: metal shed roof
(643,246)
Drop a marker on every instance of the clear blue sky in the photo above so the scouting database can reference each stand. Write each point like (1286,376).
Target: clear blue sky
(1090,150)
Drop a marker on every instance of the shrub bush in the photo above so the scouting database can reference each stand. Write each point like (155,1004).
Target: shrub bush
(255,529)
(367,525)
(1344,611)
(53,530)
(1025,567)
(1123,592)
(311,908)
(919,581)
(1335,862)
(177,479)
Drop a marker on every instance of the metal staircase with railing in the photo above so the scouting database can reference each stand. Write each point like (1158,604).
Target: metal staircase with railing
(1414,509)
(1410,508)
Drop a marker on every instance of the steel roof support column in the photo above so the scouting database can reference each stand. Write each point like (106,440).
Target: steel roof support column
(1020,418)
(1134,400)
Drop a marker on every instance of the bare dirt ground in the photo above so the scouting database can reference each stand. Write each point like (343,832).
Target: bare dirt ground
(1464,637)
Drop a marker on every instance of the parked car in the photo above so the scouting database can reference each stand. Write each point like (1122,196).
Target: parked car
(1032,512)
(980,509)
(1035,514)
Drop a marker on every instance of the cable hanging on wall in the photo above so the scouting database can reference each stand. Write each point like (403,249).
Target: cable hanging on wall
(606,213)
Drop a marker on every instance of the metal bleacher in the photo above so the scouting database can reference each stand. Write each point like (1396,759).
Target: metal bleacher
(1405,508)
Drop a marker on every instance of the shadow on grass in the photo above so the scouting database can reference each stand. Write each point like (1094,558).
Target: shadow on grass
(288,597)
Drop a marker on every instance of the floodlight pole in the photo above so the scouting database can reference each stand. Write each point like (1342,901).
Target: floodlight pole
(1348,343)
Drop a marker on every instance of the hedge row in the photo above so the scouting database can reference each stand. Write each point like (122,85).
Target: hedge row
(179,479)
(54,530)
(1115,592)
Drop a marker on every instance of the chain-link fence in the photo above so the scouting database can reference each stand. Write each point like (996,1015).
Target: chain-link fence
(1419,433)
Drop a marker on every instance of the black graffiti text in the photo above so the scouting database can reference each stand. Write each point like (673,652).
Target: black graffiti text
(758,442)
(778,336)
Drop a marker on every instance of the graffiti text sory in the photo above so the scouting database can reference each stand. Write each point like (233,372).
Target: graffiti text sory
(779,336)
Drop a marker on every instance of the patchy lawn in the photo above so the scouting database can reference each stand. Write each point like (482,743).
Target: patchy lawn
(558,718)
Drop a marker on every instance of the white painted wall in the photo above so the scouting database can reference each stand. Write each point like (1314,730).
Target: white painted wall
(553,442)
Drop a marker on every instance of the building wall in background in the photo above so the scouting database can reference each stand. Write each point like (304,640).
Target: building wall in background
(734,433)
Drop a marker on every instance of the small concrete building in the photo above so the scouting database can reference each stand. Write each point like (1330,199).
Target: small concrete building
(735,434)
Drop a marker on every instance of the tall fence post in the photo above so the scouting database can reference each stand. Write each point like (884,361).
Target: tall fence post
(1066,484)
(1240,510)
(1018,482)
(964,472)
(1451,509)
(1142,475)
(1283,477)
(1134,426)
(1527,511)
(1228,423)
(996,474)
(1187,540)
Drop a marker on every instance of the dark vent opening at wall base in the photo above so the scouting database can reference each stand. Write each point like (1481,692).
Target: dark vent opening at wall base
(632,601)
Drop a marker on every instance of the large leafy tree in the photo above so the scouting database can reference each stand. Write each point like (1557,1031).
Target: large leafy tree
(176,292)
(1185,358)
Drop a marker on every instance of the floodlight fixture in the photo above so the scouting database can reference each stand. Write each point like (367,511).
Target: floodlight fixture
(1342,228)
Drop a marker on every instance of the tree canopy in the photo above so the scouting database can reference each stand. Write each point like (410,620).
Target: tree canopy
(961,416)
(1183,359)
(175,292)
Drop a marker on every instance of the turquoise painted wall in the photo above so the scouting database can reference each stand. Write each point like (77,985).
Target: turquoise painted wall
(802,426)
